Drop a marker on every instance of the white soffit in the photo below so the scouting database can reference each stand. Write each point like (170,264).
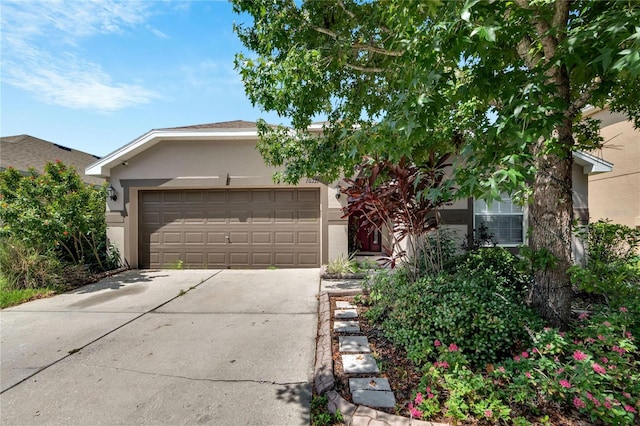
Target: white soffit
(591,164)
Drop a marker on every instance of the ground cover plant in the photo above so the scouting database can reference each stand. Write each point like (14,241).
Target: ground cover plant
(52,232)
(485,358)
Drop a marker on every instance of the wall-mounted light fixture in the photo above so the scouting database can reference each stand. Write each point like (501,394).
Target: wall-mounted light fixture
(338,193)
(112,193)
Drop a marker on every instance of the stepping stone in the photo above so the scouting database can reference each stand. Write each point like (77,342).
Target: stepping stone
(379,399)
(362,363)
(346,327)
(341,304)
(353,344)
(373,384)
(345,313)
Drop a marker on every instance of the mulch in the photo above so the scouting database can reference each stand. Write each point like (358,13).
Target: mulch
(404,376)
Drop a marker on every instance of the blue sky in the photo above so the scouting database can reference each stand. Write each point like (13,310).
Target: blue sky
(95,75)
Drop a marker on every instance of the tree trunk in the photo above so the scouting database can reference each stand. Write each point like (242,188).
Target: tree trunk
(551,228)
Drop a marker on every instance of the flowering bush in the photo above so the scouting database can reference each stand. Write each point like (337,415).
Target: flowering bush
(592,369)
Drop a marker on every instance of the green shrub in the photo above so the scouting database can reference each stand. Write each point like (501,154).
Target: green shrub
(55,212)
(26,267)
(613,264)
(481,312)
(496,261)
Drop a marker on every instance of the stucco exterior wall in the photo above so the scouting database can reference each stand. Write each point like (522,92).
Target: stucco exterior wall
(616,195)
(188,164)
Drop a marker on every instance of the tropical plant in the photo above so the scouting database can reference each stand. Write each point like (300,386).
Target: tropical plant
(392,197)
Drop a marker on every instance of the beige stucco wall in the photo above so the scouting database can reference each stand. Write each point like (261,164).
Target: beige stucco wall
(616,195)
(184,164)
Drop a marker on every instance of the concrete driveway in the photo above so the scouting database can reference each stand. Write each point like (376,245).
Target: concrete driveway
(185,347)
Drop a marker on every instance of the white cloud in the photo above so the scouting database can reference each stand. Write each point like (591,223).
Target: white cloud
(40,51)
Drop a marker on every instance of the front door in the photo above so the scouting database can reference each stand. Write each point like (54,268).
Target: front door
(364,238)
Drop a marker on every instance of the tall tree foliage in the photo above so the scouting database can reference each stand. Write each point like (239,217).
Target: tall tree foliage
(500,83)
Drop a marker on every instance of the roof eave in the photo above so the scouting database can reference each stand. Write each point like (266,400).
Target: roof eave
(102,167)
(591,164)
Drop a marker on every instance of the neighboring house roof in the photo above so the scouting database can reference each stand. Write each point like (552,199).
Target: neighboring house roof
(240,130)
(235,124)
(24,151)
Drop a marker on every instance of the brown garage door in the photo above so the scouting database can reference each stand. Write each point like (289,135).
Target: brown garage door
(254,228)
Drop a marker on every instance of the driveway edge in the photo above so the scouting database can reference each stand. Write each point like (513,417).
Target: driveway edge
(324,380)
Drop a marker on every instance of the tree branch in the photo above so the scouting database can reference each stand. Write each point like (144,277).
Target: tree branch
(361,46)
(582,101)
(364,69)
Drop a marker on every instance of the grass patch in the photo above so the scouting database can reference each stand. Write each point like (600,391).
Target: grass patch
(15,297)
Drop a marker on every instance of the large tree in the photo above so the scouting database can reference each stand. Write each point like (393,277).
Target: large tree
(502,84)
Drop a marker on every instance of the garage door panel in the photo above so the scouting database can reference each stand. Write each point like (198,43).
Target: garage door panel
(239,237)
(239,216)
(284,237)
(258,196)
(308,237)
(172,237)
(308,259)
(216,238)
(285,216)
(171,218)
(243,197)
(239,259)
(261,259)
(229,228)
(260,237)
(151,218)
(308,216)
(285,259)
(171,197)
(194,238)
(194,259)
(217,259)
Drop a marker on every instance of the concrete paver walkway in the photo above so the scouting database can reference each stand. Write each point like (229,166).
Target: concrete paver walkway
(164,347)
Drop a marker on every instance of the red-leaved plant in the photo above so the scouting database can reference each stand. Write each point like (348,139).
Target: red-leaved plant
(402,198)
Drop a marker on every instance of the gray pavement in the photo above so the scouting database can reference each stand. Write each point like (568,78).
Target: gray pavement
(224,347)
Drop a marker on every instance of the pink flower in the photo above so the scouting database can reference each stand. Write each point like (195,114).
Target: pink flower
(441,364)
(418,399)
(589,340)
(612,367)
(618,349)
(579,356)
(600,337)
(606,324)
(516,358)
(501,369)
(525,354)
(583,316)
(604,360)
(623,309)
(488,413)
(528,375)
(598,368)
(578,403)
(608,405)
(453,347)
(626,395)
(560,370)
(628,334)
(437,343)
(414,411)
(565,384)
(535,351)
(629,409)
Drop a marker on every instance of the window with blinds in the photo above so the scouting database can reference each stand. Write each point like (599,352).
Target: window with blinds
(503,219)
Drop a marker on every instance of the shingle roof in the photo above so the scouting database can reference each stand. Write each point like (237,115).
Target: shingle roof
(235,124)
(24,151)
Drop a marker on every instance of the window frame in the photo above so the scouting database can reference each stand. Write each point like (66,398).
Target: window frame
(504,197)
